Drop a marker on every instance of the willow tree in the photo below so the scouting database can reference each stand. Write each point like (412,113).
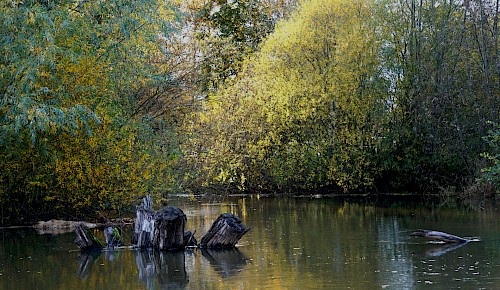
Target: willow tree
(307,109)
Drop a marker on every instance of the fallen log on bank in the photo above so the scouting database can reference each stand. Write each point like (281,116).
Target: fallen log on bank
(440,236)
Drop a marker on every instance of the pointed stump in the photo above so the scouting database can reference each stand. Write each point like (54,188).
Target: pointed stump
(225,232)
(144,224)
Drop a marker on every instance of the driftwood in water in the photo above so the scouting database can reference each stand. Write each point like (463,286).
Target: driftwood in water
(189,239)
(225,232)
(85,240)
(439,236)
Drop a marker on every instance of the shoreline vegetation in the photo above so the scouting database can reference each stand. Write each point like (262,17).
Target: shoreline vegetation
(104,102)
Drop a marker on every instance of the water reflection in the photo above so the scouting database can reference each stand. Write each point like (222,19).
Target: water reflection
(86,261)
(293,244)
(167,268)
(441,249)
(226,262)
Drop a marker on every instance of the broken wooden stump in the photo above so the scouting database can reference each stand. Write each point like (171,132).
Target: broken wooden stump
(225,232)
(144,224)
(168,233)
(161,230)
(113,237)
(85,240)
(440,236)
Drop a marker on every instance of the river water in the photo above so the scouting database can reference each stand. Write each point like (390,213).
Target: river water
(294,243)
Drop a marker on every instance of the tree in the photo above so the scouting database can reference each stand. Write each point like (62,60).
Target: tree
(306,110)
(70,73)
(438,58)
(229,31)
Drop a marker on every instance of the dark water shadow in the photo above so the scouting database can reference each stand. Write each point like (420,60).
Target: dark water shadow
(226,262)
(86,261)
(167,270)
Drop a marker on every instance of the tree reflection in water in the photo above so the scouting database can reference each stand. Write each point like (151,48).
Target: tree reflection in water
(442,249)
(226,262)
(86,261)
(168,268)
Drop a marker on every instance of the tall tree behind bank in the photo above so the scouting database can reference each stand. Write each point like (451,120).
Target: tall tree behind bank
(70,74)
(228,32)
(443,60)
(393,95)
(306,111)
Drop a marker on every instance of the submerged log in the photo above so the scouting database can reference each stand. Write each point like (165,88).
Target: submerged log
(85,240)
(439,236)
(225,232)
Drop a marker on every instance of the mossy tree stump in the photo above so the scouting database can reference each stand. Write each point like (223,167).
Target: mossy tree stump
(85,240)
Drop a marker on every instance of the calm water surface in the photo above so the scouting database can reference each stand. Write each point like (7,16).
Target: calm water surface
(295,243)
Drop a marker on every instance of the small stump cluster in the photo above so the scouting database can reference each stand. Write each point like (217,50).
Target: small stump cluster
(165,230)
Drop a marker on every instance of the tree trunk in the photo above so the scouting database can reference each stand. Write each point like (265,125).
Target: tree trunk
(168,233)
(144,224)
(225,232)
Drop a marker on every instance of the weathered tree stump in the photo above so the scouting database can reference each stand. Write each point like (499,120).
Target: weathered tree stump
(113,237)
(144,224)
(168,233)
(161,230)
(225,232)
(85,240)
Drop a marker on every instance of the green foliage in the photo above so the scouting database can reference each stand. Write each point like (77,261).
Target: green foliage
(70,76)
(352,95)
(440,60)
(305,111)
(492,173)
(231,31)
